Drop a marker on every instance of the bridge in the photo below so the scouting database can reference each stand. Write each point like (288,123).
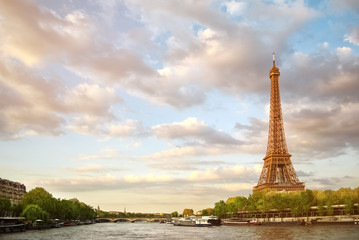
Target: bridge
(118,219)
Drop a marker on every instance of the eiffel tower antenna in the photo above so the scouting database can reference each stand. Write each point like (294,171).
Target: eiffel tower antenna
(273,59)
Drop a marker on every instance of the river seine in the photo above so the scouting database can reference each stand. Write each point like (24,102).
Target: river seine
(108,231)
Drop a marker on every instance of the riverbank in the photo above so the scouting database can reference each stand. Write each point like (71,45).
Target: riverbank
(338,219)
(18,224)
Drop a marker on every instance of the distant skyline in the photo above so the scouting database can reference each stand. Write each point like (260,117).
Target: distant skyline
(162,105)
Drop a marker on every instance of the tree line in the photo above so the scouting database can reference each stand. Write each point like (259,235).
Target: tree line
(299,202)
(40,204)
(189,212)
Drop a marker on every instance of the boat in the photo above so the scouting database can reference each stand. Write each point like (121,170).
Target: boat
(335,221)
(38,224)
(12,224)
(240,222)
(285,223)
(167,221)
(191,222)
(87,222)
(56,223)
(69,223)
(213,220)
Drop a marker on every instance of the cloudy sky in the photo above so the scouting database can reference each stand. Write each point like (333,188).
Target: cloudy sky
(162,105)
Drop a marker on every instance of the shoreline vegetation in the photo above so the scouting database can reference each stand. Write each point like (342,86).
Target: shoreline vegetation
(266,204)
(39,206)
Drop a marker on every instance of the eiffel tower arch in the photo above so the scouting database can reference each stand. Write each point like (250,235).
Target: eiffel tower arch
(278,173)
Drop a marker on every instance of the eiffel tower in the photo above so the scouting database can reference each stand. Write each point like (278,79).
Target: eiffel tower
(278,173)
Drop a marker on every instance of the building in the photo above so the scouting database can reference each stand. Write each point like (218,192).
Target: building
(278,173)
(12,190)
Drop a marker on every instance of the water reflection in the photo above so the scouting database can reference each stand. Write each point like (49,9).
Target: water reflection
(107,231)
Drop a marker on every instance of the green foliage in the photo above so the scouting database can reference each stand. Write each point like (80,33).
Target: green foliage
(344,193)
(16,209)
(236,204)
(307,198)
(174,214)
(42,198)
(207,212)
(33,212)
(5,206)
(281,201)
(321,208)
(349,205)
(330,209)
(296,205)
(71,209)
(187,212)
(220,209)
(298,202)
(356,195)
(267,202)
(253,200)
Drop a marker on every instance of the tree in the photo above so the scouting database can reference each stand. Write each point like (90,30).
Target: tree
(220,209)
(5,206)
(205,212)
(349,205)
(281,201)
(231,208)
(307,199)
(187,212)
(86,212)
(42,198)
(330,209)
(75,205)
(253,200)
(65,209)
(342,194)
(266,202)
(356,195)
(174,214)
(241,203)
(296,205)
(321,208)
(16,209)
(33,212)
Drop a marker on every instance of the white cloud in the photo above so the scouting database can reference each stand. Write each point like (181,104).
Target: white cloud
(40,34)
(100,126)
(344,53)
(195,179)
(353,37)
(225,174)
(235,187)
(234,7)
(91,99)
(196,130)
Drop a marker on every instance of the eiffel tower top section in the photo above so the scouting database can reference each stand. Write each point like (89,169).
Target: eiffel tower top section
(274,70)
(276,137)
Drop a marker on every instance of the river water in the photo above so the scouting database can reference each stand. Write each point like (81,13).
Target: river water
(107,231)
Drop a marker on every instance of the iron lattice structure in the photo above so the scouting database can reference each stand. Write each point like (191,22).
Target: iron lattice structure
(278,172)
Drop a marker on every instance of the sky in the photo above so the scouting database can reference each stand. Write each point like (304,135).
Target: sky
(162,105)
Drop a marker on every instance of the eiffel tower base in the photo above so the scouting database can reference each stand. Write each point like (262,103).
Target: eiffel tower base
(280,187)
